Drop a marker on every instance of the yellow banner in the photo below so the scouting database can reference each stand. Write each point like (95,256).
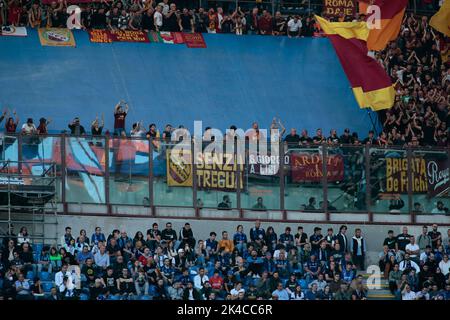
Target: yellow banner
(397,175)
(213,171)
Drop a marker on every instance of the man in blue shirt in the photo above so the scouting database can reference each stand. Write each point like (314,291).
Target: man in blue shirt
(240,239)
(315,239)
(97,236)
(312,268)
(287,238)
(211,246)
(255,264)
(257,234)
(313,293)
(280,292)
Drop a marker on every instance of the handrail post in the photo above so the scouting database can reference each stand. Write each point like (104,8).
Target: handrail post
(194,178)
(281,152)
(410,184)
(325,180)
(150,177)
(63,172)
(19,153)
(368,185)
(107,191)
(238,177)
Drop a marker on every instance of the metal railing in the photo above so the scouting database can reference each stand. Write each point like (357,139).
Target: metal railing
(351,179)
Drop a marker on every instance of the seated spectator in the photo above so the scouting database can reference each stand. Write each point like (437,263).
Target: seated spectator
(225,204)
(259,204)
(281,292)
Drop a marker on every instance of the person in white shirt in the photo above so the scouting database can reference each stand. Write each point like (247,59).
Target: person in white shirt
(440,209)
(158,17)
(200,279)
(23,236)
(237,290)
(60,278)
(413,249)
(444,265)
(408,264)
(294,27)
(408,294)
(164,7)
(424,255)
(101,258)
(29,127)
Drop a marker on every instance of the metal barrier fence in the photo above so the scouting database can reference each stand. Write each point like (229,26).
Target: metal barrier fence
(323,178)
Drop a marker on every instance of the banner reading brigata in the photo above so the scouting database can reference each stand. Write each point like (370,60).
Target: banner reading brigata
(214,171)
(397,175)
(308,167)
(337,7)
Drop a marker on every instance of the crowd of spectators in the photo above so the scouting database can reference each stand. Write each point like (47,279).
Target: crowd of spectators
(258,265)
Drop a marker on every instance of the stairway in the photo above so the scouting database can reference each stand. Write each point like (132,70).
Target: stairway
(381,293)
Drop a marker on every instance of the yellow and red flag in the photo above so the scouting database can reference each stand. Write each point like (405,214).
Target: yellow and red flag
(371,85)
(441,20)
(392,12)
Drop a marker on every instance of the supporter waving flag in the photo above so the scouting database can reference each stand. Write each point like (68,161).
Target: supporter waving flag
(371,85)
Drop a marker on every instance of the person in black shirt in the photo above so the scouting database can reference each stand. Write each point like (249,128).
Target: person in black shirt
(76,128)
(293,139)
(170,20)
(390,241)
(370,139)
(110,281)
(153,236)
(168,233)
(225,204)
(402,240)
(187,236)
(98,19)
(201,21)
(113,18)
(301,238)
(346,138)
(305,139)
(147,21)
(187,21)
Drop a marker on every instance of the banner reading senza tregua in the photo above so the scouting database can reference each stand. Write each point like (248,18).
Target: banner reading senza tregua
(59,37)
(214,171)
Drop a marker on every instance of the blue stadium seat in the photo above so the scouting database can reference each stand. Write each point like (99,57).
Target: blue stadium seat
(303,283)
(145,298)
(30,275)
(113,298)
(37,248)
(47,286)
(44,276)
(84,297)
(284,282)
